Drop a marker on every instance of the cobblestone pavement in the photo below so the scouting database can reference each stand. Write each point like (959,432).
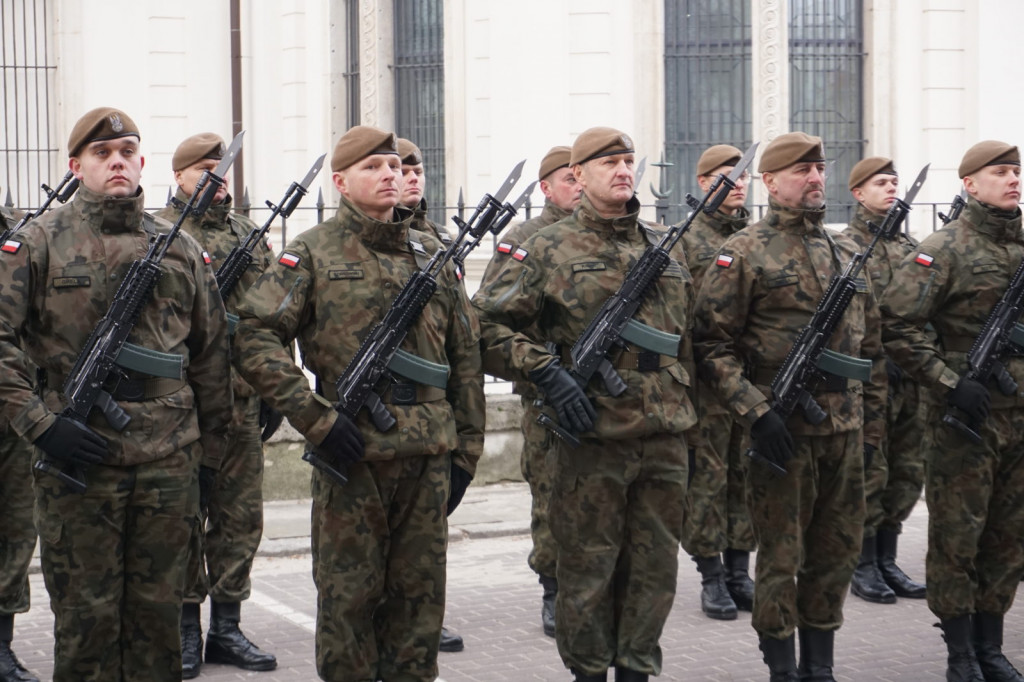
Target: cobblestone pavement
(494,603)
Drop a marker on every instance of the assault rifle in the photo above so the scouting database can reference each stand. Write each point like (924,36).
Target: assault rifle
(96,373)
(614,327)
(230,271)
(379,358)
(955,208)
(504,215)
(803,368)
(67,187)
(1000,336)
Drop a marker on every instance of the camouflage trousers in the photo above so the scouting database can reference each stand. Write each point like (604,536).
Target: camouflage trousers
(616,513)
(536,469)
(224,543)
(17,531)
(975,496)
(808,526)
(379,564)
(893,482)
(113,560)
(715,510)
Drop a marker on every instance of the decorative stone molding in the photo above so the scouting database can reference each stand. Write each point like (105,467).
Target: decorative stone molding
(771,74)
(368,63)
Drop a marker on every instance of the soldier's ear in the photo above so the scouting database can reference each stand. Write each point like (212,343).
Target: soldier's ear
(75,166)
(339,181)
(970,185)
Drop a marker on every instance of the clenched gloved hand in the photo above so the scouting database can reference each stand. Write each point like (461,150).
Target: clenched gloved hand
(207,477)
(270,420)
(771,438)
(73,442)
(460,479)
(972,398)
(567,397)
(869,455)
(343,443)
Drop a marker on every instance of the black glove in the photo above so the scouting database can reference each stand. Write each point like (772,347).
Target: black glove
(894,373)
(460,479)
(972,398)
(567,397)
(772,439)
(270,420)
(73,442)
(869,454)
(344,443)
(207,477)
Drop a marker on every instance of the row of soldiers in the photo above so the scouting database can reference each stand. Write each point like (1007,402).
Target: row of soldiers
(608,515)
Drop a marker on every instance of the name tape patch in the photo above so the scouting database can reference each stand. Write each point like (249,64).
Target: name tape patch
(68,282)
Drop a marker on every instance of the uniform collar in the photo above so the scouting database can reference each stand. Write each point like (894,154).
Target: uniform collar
(553,213)
(214,218)
(989,220)
(392,235)
(796,220)
(624,225)
(110,214)
(725,224)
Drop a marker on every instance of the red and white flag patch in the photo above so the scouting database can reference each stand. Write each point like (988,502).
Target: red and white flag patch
(924,259)
(289,260)
(206,258)
(723,261)
(10,246)
(520,254)
(270,247)
(505,247)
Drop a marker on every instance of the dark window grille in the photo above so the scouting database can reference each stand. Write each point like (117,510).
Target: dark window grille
(351,74)
(419,90)
(707,88)
(30,149)
(826,56)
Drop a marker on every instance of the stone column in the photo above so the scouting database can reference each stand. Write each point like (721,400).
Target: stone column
(770,66)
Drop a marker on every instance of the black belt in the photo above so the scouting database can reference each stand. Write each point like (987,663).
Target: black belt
(642,361)
(130,390)
(830,384)
(397,393)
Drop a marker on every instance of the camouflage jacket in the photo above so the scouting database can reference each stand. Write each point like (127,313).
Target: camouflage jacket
(705,237)
(58,278)
(556,282)
(421,222)
(9,217)
(219,231)
(762,290)
(508,243)
(888,252)
(953,280)
(330,287)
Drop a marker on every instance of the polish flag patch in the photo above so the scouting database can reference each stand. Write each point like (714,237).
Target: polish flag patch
(10,246)
(459,274)
(289,260)
(505,247)
(924,259)
(520,255)
(270,248)
(206,258)
(723,261)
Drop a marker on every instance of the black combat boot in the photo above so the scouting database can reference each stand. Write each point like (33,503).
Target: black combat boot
(578,676)
(11,669)
(714,595)
(867,579)
(627,675)
(450,641)
(780,655)
(894,577)
(547,609)
(737,578)
(816,655)
(191,641)
(988,649)
(961,664)
(226,644)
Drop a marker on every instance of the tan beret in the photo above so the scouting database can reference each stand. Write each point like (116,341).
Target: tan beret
(790,148)
(557,157)
(718,156)
(360,142)
(988,153)
(196,148)
(869,167)
(409,153)
(104,123)
(594,143)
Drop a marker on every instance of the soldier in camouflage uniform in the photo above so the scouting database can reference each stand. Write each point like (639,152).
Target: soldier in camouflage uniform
(230,525)
(379,541)
(617,500)
(413,181)
(717,523)
(113,556)
(18,532)
(561,197)
(974,491)
(761,290)
(894,479)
